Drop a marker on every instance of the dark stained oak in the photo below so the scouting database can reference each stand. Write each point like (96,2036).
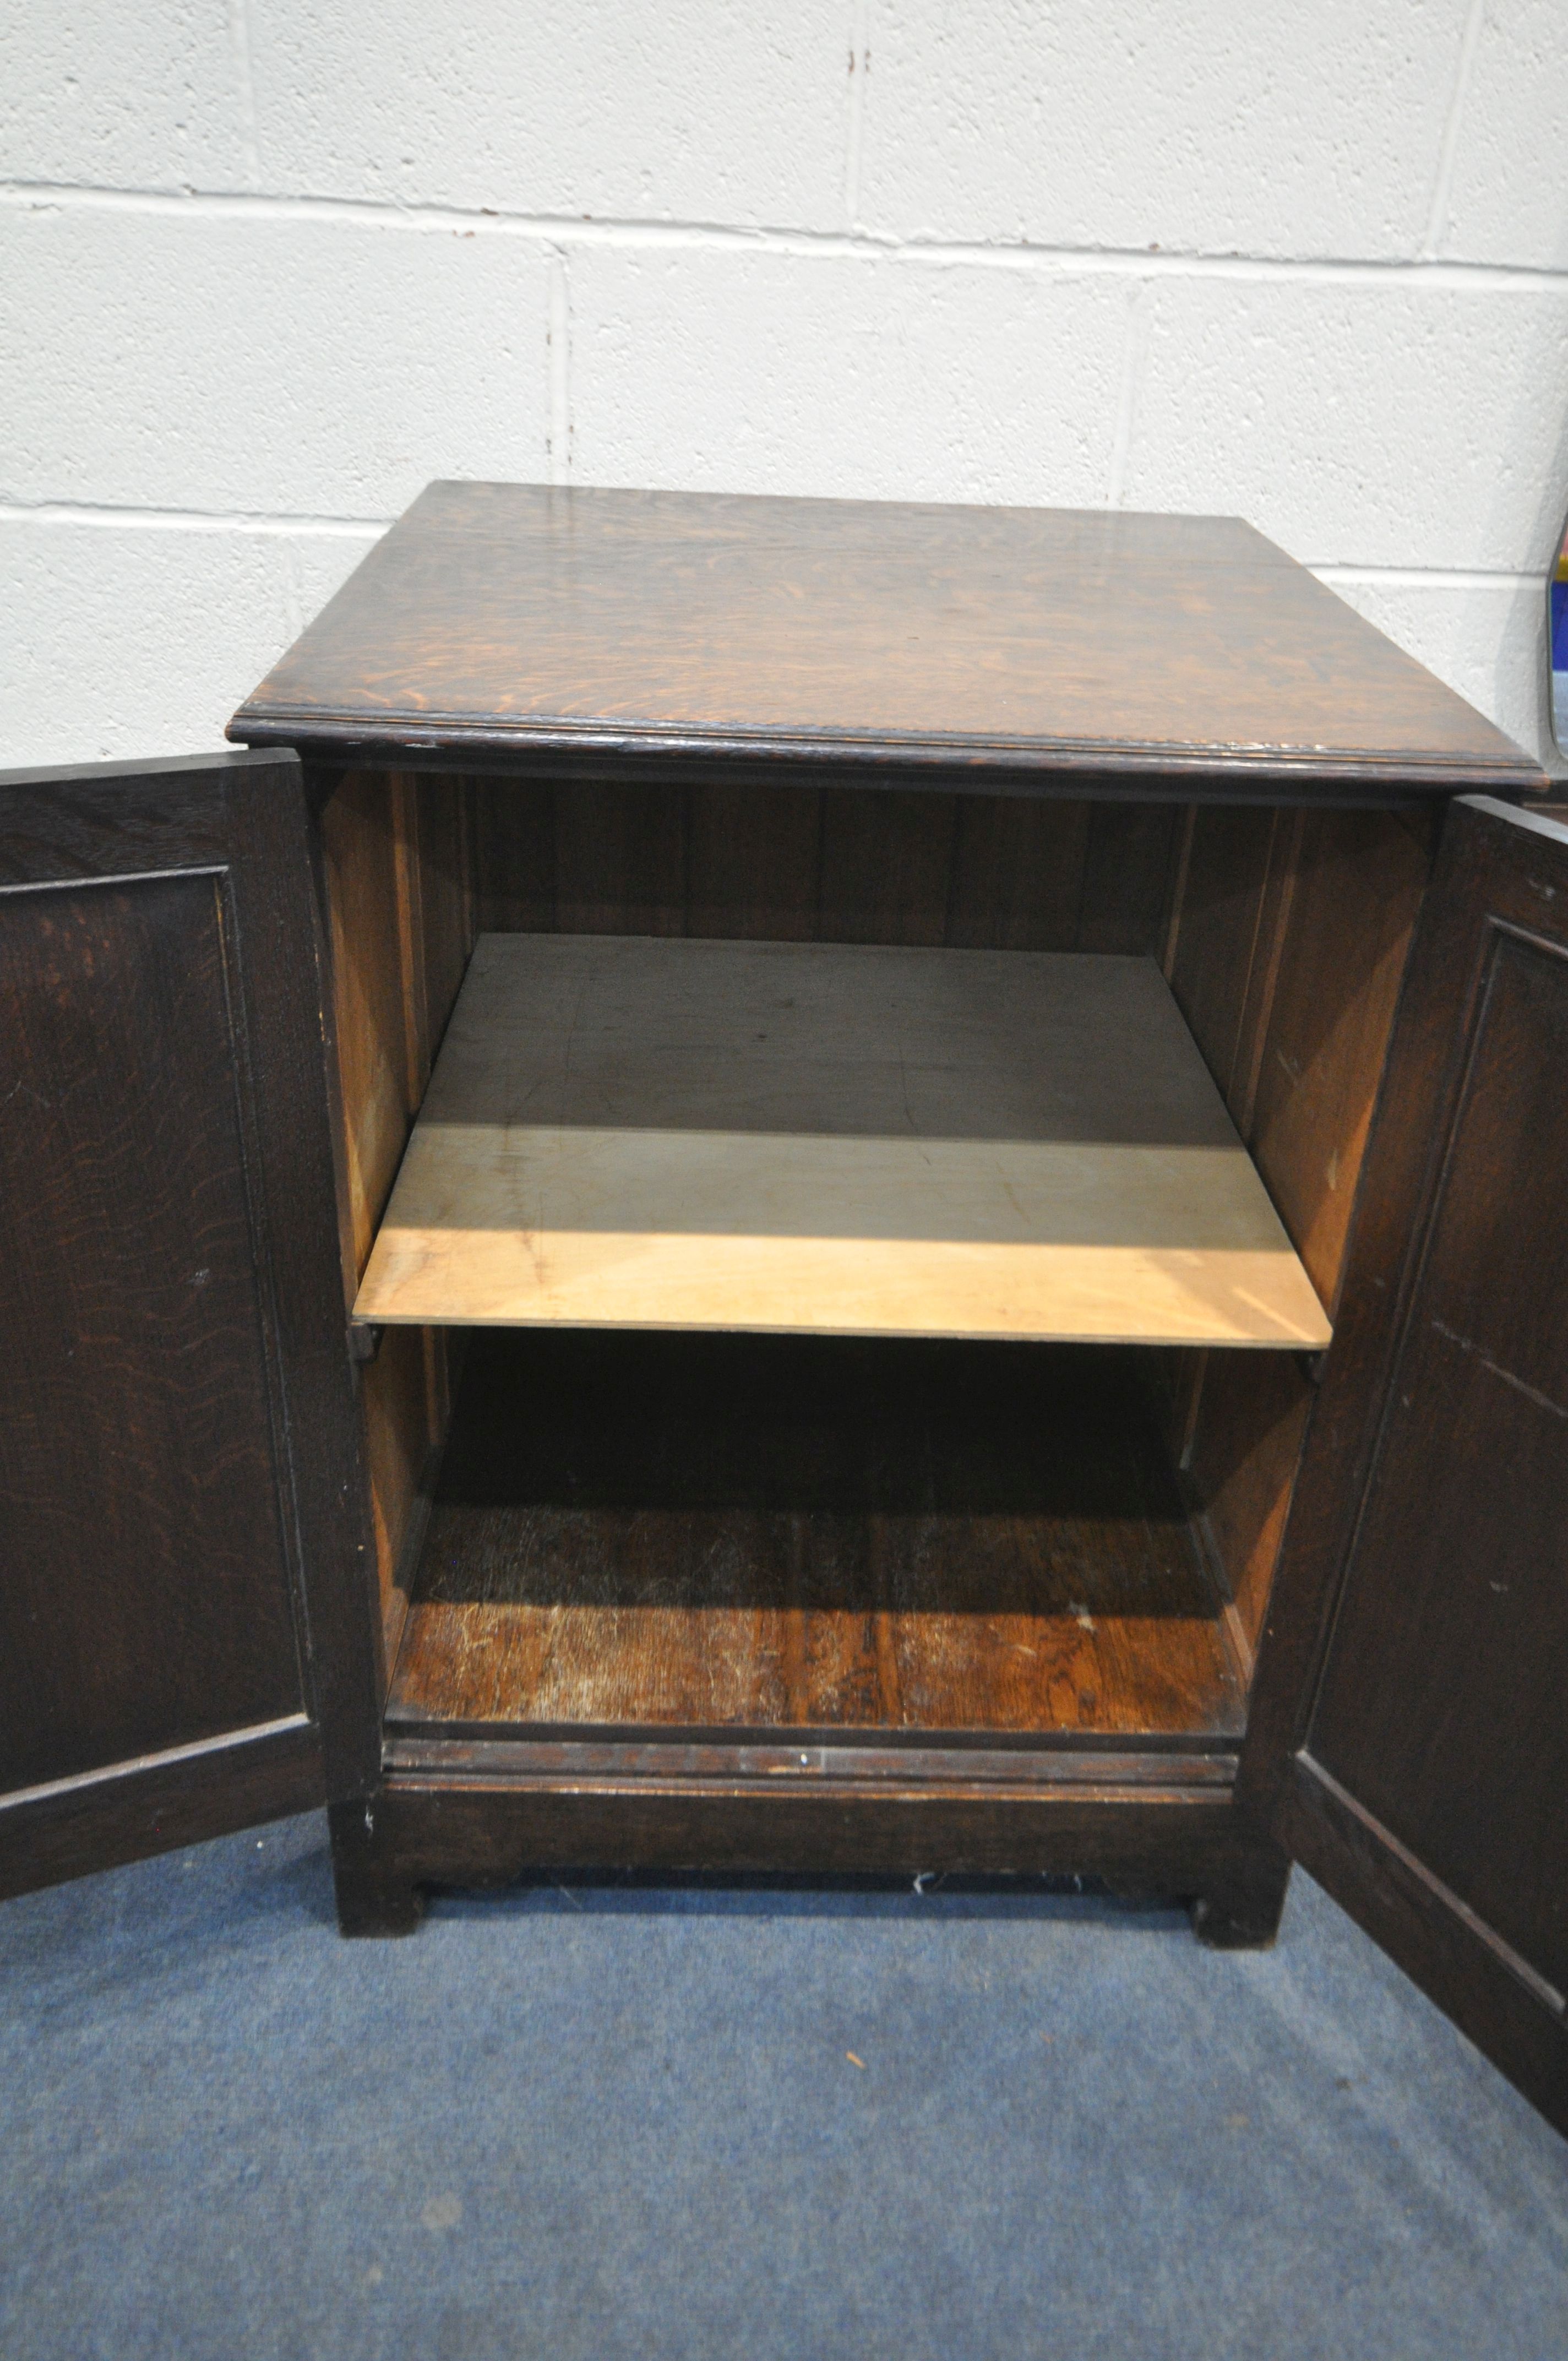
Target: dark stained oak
(1409,1738)
(736,1604)
(531,620)
(456,1820)
(1217,918)
(798,863)
(135,1443)
(1019,877)
(1464,1754)
(721,1534)
(1127,874)
(177,1466)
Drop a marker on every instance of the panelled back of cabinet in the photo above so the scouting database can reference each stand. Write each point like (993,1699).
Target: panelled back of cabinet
(834,865)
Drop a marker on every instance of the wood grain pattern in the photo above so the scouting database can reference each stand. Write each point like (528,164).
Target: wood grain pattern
(1286,952)
(159,1804)
(531,619)
(886,863)
(138,1441)
(712,1230)
(514,823)
(438,838)
(702,1534)
(801,862)
(1018,879)
(1128,859)
(366,872)
(1247,1430)
(446,847)
(1440,1709)
(1212,942)
(1354,893)
(370,859)
(395,853)
(771,1136)
(177,1455)
(1289,936)
(753,860)
(620,859)
(834,1039)
(485,1825)
(1408,1734)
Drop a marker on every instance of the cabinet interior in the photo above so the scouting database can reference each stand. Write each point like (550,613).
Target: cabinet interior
(593,1520)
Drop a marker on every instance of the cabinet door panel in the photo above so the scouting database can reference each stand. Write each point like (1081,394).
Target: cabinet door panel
(1422,1614)
(1443,1705)
(177,1392)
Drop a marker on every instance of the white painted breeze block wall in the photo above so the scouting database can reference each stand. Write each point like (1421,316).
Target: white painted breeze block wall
(266,266)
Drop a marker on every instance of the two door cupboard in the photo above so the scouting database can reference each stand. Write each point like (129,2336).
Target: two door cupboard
(813,1187)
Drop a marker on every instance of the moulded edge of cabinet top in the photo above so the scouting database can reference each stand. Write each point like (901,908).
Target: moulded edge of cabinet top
(1049,646)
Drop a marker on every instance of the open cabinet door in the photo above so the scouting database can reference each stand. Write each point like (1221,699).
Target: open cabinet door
(183,1647)
(1409,1739)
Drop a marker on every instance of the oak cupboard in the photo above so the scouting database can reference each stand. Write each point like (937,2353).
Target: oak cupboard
(805,1186)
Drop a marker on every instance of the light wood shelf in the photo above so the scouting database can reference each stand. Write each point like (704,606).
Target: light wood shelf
(815,1137)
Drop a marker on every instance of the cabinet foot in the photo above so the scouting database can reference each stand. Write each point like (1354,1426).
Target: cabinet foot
(373,1896)
(1240,1913)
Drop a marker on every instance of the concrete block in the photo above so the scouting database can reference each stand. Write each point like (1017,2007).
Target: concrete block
(319,564)
(1359,421)
(125,641)
(1508,199)
(1487,641)
(1270,129)
(835,376)
(689,111)
(297,367)
(148,96)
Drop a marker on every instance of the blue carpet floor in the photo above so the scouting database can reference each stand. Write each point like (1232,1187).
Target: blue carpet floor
(609,2124)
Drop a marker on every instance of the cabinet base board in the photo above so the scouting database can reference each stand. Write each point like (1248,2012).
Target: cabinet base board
(1176,1834)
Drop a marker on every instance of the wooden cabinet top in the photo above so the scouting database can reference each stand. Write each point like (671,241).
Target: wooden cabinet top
(1048,650)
